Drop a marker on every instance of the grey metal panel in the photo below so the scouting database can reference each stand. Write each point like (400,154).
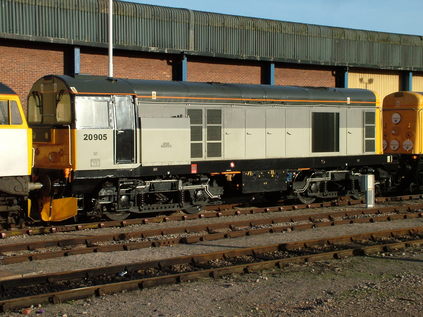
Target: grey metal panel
(255,134)
(298,132)
(168,141)
(275,132)
(170,30)
(234,132)
(355,131)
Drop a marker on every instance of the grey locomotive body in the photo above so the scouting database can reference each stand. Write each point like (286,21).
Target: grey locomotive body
(121,146)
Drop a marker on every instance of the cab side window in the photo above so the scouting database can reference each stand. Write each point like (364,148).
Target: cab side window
(9,112)
(4,112)
(92,113)
(63,107)
(14,113)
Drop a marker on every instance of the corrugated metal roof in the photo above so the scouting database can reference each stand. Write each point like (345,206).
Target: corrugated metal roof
(162,29)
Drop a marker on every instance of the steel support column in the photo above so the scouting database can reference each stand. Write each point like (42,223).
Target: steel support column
(75,61)
(342,78)
(407,81)
(268,74)
(180,69)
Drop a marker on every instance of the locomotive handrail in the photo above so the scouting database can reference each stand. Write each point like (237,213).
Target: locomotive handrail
(33,157)
(70,145)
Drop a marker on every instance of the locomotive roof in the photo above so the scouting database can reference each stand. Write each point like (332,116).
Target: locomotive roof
(241,93)
(87,85)
(155,90)
(5,90)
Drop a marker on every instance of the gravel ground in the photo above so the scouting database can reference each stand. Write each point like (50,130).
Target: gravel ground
(388,284)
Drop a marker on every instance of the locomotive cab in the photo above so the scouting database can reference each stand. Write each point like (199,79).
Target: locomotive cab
(403,138)
(15,157)
(88,141)
(76,132)
(50,117)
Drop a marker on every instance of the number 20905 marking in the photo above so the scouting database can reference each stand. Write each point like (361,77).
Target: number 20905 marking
(95,137)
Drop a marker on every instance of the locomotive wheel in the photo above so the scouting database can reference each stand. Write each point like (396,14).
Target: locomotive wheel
(305,199)
(300,181)
(358,196)
(122,215)
(192,209)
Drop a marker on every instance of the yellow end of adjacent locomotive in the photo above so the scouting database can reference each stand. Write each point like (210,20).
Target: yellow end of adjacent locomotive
(378,125)
(402,123)
(59,209)
(30,151)
(16,138)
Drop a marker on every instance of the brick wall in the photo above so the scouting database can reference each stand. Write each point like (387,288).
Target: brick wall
(296,76)
(231,71)
(22,65)
(126,65)
(224,71)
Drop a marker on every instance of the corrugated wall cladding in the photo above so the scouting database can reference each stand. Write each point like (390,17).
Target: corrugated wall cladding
(383,83)
(417,82)
(153,28)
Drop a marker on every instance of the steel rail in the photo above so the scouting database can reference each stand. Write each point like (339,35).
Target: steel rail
(202,267)
(220,211)
(189,234)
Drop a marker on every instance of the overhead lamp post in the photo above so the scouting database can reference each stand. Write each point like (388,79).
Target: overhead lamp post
(110,39)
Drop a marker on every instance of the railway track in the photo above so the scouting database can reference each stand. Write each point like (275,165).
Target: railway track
(53,248)
(211,212)
(60,287)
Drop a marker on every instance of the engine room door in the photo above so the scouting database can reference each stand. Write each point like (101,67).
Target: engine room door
(275,132)
(298,132)
(124,129)
(255,138)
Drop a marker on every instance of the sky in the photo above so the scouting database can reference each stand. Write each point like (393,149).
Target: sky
(393,16)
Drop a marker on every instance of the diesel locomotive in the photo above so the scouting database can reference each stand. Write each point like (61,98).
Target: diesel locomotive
(403,138)
(107,146)
(15,158)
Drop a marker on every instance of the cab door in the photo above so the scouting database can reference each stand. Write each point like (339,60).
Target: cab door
(124,110)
